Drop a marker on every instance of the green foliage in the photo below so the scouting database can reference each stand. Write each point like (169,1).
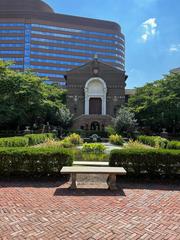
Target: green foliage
(110,130)
(35,139)
(154,141)
(173,145)
(80,155)
(93,148)
(157,104)
(14,142)
(66,143)
(71,141)
(27,140)
(25,99)
(89,156)
(116,139)
(50,143)
(75,139)
(150,161)
(136,144)
(64,117)
(34,161)
(125,121)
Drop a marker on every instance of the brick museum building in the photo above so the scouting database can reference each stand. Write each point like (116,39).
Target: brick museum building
(62,48)
(96,91)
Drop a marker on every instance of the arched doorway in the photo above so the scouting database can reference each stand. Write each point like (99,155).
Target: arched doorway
(95,106)
(95,126)
(95,96)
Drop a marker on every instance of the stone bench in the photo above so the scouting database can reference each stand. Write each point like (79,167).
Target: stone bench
(112,171)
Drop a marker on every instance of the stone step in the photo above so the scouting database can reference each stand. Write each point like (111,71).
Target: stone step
(91,163)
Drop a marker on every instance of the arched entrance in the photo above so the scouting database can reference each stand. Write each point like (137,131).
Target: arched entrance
(95,96)
(95,106)
(95,126)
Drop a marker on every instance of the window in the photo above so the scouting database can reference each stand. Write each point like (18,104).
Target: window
(75,50)
(78,31)
(67,42)
(76,37)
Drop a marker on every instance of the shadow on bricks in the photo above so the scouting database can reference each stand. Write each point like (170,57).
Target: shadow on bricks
(89,192)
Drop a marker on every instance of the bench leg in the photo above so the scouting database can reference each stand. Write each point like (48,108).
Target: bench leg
(112,182)
(73,183)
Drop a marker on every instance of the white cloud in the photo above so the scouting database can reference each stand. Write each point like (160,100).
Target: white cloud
(174,48)
(149,29)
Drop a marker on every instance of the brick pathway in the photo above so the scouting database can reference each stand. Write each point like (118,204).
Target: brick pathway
(49,211)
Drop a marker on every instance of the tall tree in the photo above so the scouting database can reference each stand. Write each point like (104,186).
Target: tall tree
(157,104)
(25,99)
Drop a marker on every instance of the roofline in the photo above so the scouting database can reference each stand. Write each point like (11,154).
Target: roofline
(68,19)
(93,60)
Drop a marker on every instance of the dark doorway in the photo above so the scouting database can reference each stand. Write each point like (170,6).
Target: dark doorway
(95,126)
(95,106)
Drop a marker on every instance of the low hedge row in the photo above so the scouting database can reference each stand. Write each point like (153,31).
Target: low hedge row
(159,142)
(35,139)
(27,140)
(14,142)
(153,141)
(150,161)
(173,145)
(34,161)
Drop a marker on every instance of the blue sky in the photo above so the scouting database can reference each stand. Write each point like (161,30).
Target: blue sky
(151,28)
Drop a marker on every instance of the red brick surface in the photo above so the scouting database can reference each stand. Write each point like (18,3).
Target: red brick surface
(50,211)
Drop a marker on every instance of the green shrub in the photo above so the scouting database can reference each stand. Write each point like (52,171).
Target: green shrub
(173,145)
(93,148)
(116,139)
(136,144)
(75,139)
(154,141)
(34,161)
(151,161)
(35,139)
(14,142)
(66,143)
(110,130)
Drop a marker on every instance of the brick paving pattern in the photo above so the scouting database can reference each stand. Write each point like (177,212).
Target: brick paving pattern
(48,210)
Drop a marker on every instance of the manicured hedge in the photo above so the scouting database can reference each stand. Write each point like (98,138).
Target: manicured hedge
(150,161)
(153,141)
(159,142)
(33,160)
(35,139)
(14,142)
(173,145)
(27,140)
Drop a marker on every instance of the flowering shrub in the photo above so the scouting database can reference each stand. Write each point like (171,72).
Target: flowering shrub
(116,139)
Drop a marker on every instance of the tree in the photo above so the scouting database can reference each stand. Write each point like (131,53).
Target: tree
(25,99)
(157,104)
(125,121)
(64,117)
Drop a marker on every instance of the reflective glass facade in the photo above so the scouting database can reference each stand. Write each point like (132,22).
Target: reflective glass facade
(54,44)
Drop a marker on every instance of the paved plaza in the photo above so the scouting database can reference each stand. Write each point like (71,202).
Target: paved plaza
(48,210)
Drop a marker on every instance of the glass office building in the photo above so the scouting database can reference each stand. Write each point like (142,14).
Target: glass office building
(34,37)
